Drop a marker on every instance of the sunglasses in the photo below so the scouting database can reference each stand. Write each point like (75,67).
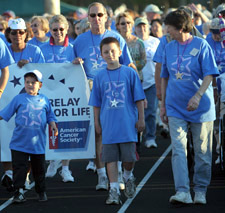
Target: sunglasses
(93,15)
(124,23)
(34,25)
(58,29)
(15,32)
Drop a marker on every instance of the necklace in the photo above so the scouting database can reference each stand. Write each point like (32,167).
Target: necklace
(95,64)
(179,75)
(115,92)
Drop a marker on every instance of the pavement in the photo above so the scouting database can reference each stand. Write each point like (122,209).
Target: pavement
(154,181)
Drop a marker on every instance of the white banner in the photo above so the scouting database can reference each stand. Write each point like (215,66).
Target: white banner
(67,88)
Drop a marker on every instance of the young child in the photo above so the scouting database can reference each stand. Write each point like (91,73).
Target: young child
(33,112)
(117,97)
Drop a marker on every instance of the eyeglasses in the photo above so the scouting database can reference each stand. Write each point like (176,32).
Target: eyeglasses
(58,29)
(93,15)
(124,23)
(15,32)
(34,25)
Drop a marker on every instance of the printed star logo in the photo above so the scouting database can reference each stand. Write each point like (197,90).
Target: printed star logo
(32,115)
(220,68)
(16,81)
(114,103)
(95,65)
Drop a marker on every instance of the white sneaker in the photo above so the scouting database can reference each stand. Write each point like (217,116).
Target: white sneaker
(181,197)
(200,198)
(120,181)
(66,175)
(217,161)
(52,168)
(150,143)
(91,166)
(102,183)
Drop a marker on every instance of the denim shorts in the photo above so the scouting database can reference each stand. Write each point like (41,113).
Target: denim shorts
(125,152)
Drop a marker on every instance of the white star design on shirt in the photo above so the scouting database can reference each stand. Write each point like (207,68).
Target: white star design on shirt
(220,67)
(95,65)
(114,103)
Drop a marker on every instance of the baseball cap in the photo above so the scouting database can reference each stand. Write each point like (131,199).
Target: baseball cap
(9,13)
(140,20)
(37,73)
(17,24)
(153,8)
(220,9)
(215,26)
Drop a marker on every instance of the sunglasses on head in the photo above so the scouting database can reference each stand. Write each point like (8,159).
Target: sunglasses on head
(58,29)
(93,15)
(124,23)
(15,32)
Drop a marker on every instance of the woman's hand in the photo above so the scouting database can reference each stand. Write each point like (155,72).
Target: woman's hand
(163,115)
(194,102)
(98,128)
(22,62)
(78,61)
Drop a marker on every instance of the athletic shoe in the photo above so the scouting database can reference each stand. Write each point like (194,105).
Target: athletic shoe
(200,198)
(130,187)
(102,183)
(150,143)
(27,183)
(113,198)
(181,197)
(19,196)
(52,168)
(66,175)
(42,197)
(7,182)
(217,161)
(91,166)
(120,181)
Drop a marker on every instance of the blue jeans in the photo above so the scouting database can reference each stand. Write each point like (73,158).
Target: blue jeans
(150,113)
(202,134)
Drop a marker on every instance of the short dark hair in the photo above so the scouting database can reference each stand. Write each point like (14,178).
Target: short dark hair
(109,40)
(179,19)
(29,74)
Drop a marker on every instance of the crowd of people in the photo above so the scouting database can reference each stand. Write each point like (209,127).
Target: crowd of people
(173,61)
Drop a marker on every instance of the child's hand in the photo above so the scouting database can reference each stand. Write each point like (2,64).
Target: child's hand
(78,61)
(22,62)
(140,125)
(98,128)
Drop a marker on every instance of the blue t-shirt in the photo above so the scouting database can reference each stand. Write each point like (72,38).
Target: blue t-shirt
(219,53)
(57,53)
(159,52)
(2,36)
(5,56)
(115,92)
(36,42)
(196,62)
(31,53)
(32,115)
(87,47)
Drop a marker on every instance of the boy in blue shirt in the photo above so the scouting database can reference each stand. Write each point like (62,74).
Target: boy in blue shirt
(33,112)
(117,97)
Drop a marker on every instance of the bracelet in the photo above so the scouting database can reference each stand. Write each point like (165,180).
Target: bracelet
(1,90)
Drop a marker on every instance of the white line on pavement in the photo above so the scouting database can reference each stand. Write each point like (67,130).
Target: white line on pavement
(10,200)
(145,179)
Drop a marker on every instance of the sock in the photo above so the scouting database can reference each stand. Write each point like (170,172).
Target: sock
(119,165)
(64,168)
(127,174)
(101,172)
(115,185)
(9,173)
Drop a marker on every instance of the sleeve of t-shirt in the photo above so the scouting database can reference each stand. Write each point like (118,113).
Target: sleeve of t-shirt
(164,71)
(207,60)
(95,97)
(159,52)
(5,56)
(10,109)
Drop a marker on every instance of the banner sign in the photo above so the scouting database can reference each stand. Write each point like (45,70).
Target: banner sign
(67,88)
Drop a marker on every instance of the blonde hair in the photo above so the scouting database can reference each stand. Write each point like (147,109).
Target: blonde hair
(125,15)
(59,19)
(43,20)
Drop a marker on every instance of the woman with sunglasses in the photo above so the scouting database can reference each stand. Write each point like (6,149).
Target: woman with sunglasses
(58,50)
(40,27)
(124,24)
(21,51)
